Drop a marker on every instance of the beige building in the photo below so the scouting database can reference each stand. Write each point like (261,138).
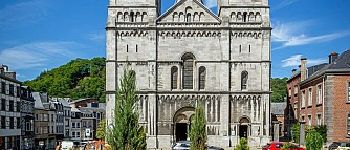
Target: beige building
(189,56)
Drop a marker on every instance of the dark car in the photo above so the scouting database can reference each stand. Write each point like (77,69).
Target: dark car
(214,148)
(333,146)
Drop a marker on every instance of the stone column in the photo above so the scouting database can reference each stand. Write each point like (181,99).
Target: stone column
(302,133)
(152,122)
(276,129)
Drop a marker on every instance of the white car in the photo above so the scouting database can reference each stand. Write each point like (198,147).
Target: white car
(344,146)
(185,145)
(181,145)
(66,145)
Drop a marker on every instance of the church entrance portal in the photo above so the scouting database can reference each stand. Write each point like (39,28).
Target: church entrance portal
(182,122)
(243,127)
(181,131)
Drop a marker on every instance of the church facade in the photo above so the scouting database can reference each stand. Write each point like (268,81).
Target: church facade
(189,56)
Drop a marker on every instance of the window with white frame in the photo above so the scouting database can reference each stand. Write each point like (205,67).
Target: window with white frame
(309,121)
(296,89)
(289,92)
(303,118)
(303,101)
(319,119)
(349,92)
(349,124)
(309,102)
(319,95)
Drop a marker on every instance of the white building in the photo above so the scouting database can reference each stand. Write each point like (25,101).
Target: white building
(189,56)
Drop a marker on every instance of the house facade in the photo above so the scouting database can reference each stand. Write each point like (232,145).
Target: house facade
(187,57)
(10,109)
(324,96)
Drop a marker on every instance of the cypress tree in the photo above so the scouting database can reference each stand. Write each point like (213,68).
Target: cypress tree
(126,133)
(198,135)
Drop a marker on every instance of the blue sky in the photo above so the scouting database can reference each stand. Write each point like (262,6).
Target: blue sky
(37,35)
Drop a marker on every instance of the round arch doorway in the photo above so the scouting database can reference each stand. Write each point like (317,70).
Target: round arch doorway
(182,123)
(244,127)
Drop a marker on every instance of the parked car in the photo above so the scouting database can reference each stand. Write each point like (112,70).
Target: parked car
(66,145)
(214,148)
(279,145)
(333,146)
(344,146)
(185,145)
(181,145)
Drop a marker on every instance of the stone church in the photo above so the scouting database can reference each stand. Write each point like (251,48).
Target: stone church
(190,56)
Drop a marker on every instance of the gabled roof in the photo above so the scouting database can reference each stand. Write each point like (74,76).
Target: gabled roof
(182,2)
(278,108)
(340,65)
(38,102)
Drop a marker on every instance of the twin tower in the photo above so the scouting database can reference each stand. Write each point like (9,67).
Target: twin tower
(189,56)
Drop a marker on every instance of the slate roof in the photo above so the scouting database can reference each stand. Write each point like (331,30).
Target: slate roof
(311,70)
(278,108)
(340,65)
(38,102)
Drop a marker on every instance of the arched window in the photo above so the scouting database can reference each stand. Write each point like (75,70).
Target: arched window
(201,16)
(126,17)
(120,17)
(244,79)
(195,17)
(175,17)
(189,18)
(202,75)
(174,76)
(138,17)
(132,17)
(181,17)
(245,17)
(233,17)
(251,17)
(187,80)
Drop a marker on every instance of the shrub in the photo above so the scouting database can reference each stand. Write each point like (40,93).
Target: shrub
(314,140)
(296,132)
(243,144)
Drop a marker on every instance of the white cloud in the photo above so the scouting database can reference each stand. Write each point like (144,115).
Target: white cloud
(38,54)
(23,12)
(97,37)
(284,3)
(294,61)
(210,3)
(291,34)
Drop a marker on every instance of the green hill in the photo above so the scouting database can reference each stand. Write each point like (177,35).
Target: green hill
(80,78)
(279,89)
(83,78)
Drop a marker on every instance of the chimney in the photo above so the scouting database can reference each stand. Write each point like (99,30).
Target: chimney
(332,57)
(294,72)
(303,70)
(2,70)
(10,74)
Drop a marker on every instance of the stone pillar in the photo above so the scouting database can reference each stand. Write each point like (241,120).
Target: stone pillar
(152,122)
(224,113)
(276,133)
(302,133)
